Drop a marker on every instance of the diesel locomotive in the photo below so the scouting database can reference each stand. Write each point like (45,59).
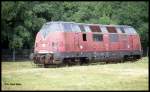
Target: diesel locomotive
(69,42)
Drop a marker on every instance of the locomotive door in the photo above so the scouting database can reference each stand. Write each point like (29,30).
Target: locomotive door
(80,41)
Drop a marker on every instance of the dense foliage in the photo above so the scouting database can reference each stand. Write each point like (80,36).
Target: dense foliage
(20,21)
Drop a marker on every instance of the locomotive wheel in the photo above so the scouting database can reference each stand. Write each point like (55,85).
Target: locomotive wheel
(71,62)
(47,58)
(41,59)
(84,61)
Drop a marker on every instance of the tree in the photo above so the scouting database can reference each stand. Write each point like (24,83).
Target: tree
(23,20)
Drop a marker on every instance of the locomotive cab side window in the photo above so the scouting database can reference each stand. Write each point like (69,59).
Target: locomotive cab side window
(97,37)
(111,29)
(84,37)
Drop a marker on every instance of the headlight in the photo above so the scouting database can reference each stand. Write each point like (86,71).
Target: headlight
(43,45)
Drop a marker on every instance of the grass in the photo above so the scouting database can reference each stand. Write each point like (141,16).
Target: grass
(120,76)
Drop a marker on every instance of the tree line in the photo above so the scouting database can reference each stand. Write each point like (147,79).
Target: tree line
(21,20)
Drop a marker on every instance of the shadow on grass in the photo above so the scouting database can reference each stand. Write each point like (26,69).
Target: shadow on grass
(84,64)
(90,63)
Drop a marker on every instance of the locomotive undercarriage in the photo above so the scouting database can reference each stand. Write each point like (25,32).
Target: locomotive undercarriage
(73,58)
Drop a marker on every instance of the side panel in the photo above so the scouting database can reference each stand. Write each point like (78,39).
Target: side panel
(75,43)
(97,45)
(113,45)
(69,43)
(106,42)
(88,44)
(83,45)
(123,38)
(136,42)
(130,42)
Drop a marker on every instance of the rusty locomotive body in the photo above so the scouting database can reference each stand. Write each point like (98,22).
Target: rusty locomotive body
(70,42)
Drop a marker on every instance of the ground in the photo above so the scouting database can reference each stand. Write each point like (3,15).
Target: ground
(120,76)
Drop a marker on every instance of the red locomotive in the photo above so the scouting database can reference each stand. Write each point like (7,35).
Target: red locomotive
(70,42)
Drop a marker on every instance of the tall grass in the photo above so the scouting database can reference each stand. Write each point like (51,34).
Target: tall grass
(120,76)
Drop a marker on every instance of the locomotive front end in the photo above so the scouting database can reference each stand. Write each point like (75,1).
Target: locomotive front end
(46,49)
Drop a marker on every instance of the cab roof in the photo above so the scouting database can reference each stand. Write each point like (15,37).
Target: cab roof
(111,25)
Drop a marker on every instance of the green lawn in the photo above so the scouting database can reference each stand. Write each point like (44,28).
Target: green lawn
(120,76)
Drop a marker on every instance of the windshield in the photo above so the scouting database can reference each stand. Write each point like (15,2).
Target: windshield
(49,27)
